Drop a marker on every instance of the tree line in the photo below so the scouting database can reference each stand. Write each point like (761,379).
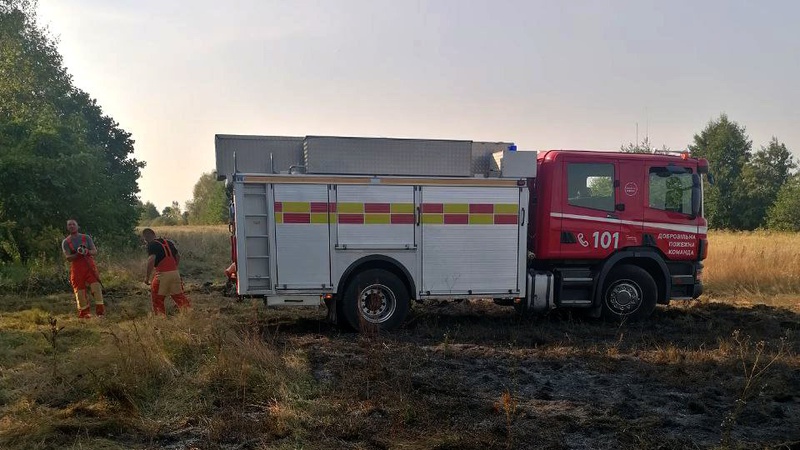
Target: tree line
(209,206)
(746,189)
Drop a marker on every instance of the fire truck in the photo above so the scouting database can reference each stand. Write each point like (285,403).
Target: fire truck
(365,226)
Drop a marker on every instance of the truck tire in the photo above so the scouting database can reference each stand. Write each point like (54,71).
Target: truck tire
(629,293)
(375,298)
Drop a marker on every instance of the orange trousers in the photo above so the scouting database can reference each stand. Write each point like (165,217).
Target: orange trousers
(168,283)
(83,278)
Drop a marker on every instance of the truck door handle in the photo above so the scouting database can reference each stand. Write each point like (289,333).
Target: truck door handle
(523,218)
(419,214)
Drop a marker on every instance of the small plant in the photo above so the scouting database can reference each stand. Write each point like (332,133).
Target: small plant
(446,344)
(754,366)
(52,338)
(614,348)
(372,346)
(507,405)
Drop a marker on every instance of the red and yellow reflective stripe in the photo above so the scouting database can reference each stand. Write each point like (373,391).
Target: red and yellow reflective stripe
(469,213)
(354,213)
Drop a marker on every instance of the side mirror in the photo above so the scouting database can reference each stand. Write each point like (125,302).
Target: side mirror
(697,195)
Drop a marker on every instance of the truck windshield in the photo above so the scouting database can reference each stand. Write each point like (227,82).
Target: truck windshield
(669,191)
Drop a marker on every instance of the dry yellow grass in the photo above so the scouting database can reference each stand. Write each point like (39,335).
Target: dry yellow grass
(764,266)
(205,250)
(198,239)
(141,374)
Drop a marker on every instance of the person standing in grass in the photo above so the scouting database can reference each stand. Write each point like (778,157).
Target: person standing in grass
(79,249)
(163,258)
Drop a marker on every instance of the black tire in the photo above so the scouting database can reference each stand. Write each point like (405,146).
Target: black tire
(374,298)
(629,293)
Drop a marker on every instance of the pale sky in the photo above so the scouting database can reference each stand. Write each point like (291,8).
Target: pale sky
(542,74)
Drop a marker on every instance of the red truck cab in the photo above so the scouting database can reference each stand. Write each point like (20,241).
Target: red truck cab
(599,217)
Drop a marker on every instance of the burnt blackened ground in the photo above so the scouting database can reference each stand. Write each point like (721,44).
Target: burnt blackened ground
(473,375)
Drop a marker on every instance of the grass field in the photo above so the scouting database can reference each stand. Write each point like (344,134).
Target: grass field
(720,372)
(756,266)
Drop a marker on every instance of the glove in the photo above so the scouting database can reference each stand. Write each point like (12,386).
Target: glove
(82,250)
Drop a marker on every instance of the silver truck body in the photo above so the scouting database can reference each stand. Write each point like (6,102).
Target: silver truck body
(453,232)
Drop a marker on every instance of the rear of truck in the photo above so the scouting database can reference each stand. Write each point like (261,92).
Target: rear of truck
(364,232)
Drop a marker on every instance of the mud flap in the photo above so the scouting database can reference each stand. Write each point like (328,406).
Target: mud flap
(330,303)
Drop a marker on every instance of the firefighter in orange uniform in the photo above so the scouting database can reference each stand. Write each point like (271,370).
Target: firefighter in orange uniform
(79,250)
(163,257)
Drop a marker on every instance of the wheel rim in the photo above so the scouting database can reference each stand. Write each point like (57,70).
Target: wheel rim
(624,297)
(377,303)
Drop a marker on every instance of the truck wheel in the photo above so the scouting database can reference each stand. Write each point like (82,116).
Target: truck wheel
(375,297)
(630,293)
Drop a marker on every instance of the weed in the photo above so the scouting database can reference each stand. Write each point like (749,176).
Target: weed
(753,368)
(615,348)
(507,405)
(446,344)
(52,338)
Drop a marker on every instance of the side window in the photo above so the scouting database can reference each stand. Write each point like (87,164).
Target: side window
(669,191)
(591,186)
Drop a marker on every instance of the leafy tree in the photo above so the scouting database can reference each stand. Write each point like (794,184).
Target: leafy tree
(171,215)
(784,214)
(210,204)
(31,68)
(769,169)
(62,157)
(727,147)
(147,213)
(643,147)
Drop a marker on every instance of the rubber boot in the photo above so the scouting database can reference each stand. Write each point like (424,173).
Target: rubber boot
(100,310)
(85,313)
